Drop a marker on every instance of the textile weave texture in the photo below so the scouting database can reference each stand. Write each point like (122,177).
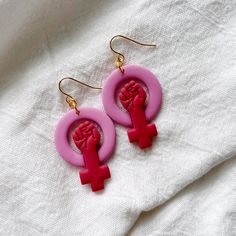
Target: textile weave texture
(185,184)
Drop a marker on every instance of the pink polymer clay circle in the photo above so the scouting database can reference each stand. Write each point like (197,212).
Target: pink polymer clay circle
(131,72)
(62,130)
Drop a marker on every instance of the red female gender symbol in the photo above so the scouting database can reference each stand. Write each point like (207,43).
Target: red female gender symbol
(86,137)
(133,97)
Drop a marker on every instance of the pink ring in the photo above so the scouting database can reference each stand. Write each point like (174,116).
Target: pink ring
(64,124)
(131,72)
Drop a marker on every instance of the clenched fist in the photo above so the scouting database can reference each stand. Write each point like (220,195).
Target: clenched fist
(132,96)
(86,136)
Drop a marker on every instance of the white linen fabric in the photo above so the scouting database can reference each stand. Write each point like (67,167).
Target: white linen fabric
(195,61)
(206,207)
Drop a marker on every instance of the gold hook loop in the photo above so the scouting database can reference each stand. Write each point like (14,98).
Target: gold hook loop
(69,99)
(120,57)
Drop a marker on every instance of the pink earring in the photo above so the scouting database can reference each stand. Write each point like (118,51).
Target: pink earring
(129,82)
(86,136)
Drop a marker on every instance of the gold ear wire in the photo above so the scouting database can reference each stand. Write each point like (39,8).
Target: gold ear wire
(69,99)
(120,57)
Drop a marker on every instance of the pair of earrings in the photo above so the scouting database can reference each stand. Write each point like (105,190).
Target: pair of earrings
(129,83)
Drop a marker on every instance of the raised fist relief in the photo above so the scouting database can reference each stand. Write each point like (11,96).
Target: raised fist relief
(86,136)
(132,96)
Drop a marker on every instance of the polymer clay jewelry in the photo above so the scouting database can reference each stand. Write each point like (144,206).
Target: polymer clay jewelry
(129,83)
(86,126)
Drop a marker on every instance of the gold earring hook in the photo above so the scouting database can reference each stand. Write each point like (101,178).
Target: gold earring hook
(120,57)
(69,99)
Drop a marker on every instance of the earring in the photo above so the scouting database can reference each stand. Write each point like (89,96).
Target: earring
(87,123)
(129,82)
